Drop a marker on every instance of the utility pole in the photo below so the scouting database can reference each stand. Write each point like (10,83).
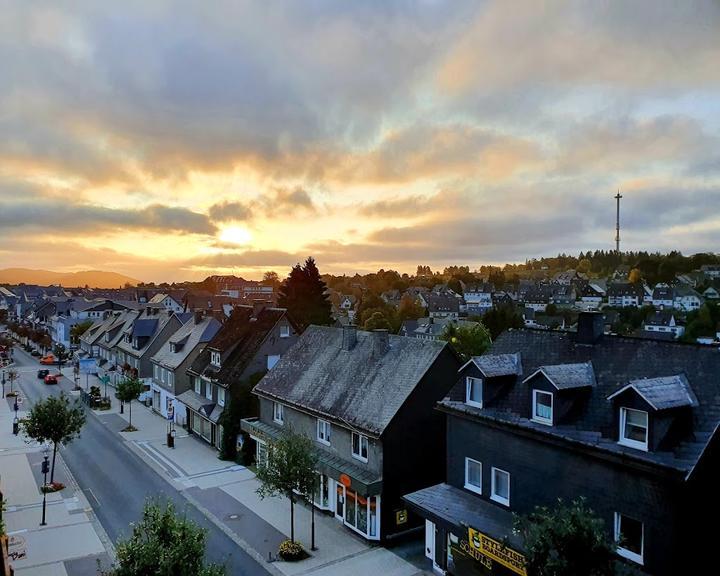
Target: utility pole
(617,224)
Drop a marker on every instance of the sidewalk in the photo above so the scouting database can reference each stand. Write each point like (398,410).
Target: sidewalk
(69,544)
(227,493)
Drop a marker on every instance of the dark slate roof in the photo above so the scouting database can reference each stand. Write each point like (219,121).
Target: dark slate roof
(442,303)
(492,365)
(144,328)
(357,387)
(618,289)
(661,318)
(461,509)
(568,376)
(616,361)
(664,392)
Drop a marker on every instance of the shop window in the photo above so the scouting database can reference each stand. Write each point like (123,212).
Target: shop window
(473,391)
(634,428)
(500,486)
(359,447)
(322,492)
(278,413)
(362,513)
(542,407)
(323,431)
(629,535)
(473,475)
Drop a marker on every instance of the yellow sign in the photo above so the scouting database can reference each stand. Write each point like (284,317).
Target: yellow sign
(482,544)
(401,516)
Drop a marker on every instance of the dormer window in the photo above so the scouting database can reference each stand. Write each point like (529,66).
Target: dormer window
(473,391)
(633,428)
(285,331)
(215,359)
(542,408)
(173,347)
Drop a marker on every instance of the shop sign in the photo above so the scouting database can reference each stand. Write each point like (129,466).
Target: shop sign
(345,480)
(483,549)
(400,516)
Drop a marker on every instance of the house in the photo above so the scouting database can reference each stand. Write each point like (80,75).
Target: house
(171,362)
(111,332)
(623,294)
(663,322)
(591,296)
(711,293)
(367,401)
(168,301)
(249,344)
(631,425)
(711,270)
(478,298)
(442,306)
(563,295)
(538,297)
(687,299)
(392,297)
(663,296)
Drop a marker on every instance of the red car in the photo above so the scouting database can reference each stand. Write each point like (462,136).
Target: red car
(51,379)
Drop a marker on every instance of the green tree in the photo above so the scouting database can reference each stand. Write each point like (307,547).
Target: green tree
(78,330)
(54,420)
(12,375)
(377,321)
(164,543)
(290,468)
(303,294)
(128,390)
(410,309)
(568,540)
(241,403)
(467,340)
(502,318)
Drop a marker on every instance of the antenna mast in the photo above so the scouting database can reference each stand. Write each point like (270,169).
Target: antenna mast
(617,224)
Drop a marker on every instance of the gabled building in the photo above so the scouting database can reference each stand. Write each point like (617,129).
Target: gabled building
(663,322)
(631,425)
(111,332)
(687,299)
(663,296)
(249,344)
(366,399)
(171,362)
(442,306)
(173,302)
(623,294)
(591,296)
(478,298)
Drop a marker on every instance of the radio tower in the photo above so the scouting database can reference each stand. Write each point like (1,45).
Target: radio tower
(617,224)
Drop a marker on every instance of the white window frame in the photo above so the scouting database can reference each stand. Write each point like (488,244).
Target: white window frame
(494,496)
(629,441)
(197,385)
(358,455)
(208,390)
(623,551)
(323,431)
(284,331)
(278,413)
(469,381)
(468,486)
(540,419)
(215,358)
(221,396)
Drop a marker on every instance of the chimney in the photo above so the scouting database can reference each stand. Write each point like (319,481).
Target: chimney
(590,328)
(198,316)
(349,336)
(380,342)
(259,306)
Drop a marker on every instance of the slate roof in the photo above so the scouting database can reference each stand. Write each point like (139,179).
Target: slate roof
(118,327)
(567,376)
(663,393)
(617,361)
(661,318)
(619,289)
(190,335)
(144,328)
(442,303)
(493,365)
(357,387)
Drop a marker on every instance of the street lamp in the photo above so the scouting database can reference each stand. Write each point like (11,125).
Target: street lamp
(3,383)
(45,470)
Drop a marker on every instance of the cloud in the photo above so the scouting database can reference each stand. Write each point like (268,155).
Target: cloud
(224,211)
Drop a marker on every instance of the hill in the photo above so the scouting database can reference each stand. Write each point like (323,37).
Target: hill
(92,278)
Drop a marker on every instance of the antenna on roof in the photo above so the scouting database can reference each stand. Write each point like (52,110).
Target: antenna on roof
(617,224)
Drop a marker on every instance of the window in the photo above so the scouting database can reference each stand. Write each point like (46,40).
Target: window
(473,475)
(323,431)
(278,413)
(155,372)
(500,486)
(261,456)
(629,536)
(197,385)
(359,446)
(208,390)
(215,359)
(284,331)
(272,360)
(473,391)
(221,396)
(634,428)
(542,407)
(170,378)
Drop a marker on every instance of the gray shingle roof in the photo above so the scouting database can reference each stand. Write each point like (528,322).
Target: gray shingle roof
(357,387)
(664,392)
(188,337)
(568,376)
(493,365)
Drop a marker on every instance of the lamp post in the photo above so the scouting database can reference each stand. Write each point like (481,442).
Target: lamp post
(45,470)
(3,383)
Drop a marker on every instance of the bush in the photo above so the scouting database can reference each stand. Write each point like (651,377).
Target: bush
(291,551)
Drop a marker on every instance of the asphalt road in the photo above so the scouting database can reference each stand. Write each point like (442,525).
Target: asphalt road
(117,482)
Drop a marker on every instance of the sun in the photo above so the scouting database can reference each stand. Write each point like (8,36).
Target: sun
(235,235)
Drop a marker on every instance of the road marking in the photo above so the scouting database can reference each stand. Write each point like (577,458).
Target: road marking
(93,495)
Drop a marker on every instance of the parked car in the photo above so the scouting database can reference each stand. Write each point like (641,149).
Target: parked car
(35,353)
(42,373)
(51,379)
(47,360)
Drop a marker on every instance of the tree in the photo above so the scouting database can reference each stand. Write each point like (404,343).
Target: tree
(551,309)
(164,543)
(467,340)
(410,309)
(242,403)
(377,321)
(290,468)
(128,390)
(12,375)
(502,318)
(568,540)
(271,279)
(303,294)
(635,276)
(55,420)
(78,330)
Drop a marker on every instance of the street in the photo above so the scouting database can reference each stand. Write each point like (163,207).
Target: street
(117,482)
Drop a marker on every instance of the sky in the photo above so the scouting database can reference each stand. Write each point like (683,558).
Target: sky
(172,140)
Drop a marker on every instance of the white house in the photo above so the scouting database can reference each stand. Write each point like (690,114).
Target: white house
(687,299)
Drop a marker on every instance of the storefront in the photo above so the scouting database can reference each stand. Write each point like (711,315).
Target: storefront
(465,535)
(202,416)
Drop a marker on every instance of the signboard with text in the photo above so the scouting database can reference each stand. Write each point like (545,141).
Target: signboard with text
(480,554)
(88,366)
